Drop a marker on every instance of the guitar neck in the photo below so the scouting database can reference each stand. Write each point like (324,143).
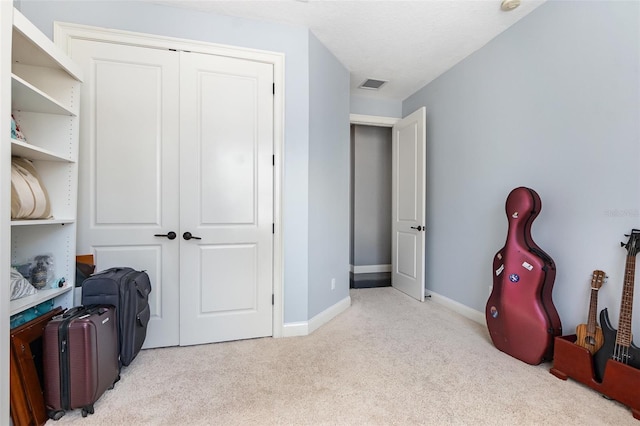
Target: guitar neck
(593,308)
(623,336)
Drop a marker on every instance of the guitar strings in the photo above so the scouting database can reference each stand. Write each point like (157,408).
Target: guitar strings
(621,352)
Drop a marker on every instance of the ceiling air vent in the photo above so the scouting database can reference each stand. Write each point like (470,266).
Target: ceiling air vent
(372,84)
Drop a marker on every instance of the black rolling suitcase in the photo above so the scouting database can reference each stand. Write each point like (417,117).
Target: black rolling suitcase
(128,290)
(80,358)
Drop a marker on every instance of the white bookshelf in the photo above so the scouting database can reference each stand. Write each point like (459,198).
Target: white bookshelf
(45,93)
(22,149)
(44,85)
(25,303)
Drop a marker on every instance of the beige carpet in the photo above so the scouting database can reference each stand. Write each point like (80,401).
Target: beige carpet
(387,360)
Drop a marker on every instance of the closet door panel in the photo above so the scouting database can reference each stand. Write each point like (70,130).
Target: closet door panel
(129,139)
(230,154)
(150,256)
(229,264)
(226,199)
(129,171)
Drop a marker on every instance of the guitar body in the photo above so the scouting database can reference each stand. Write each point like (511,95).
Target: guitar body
(630,356)
(521,317)
(590,341)
(617,343)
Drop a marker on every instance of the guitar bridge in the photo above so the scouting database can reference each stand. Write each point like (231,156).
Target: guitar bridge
(623,358)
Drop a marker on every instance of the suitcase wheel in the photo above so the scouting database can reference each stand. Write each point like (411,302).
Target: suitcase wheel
(87,410)
(55,415)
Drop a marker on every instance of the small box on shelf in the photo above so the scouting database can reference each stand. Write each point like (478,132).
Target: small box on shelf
(31,313)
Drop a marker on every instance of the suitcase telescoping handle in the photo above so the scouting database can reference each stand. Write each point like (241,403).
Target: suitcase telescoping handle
(71,312)
(96,309)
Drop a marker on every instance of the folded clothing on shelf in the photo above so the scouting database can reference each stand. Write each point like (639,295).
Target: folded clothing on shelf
(29,196)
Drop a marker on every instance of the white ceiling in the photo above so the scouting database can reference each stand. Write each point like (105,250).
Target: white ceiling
(408,43)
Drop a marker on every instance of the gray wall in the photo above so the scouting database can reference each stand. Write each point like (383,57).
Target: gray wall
(372,106)
(189,24)
(552,103)
(328,178)
(371,211)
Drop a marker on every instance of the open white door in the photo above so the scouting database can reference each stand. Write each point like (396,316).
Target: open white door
(408,198)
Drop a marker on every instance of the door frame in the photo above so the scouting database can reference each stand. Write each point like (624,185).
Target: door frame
(382,121)
(374,121)
(64,32)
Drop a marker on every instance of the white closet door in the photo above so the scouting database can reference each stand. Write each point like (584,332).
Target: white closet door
(129,175)
(226,198)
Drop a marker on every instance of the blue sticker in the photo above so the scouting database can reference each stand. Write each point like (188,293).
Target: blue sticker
(494,312)
(514,278)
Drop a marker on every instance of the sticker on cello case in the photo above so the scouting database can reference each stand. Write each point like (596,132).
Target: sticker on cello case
(499,256)
(527,265)
(514,215)
(499,270)
(494,312)
(514,278)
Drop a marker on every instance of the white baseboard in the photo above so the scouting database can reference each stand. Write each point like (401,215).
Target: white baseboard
(328,314)
(458,307)
(370,269)
(303,328)
(295,329)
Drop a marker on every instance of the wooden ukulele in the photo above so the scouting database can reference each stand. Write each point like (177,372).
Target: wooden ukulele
(617,344)
(590,334)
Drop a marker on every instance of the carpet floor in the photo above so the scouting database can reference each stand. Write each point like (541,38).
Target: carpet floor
(387,360)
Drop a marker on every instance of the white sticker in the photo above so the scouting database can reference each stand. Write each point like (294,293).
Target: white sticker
(499,270)
(499,256)
(105,320)
(527,265)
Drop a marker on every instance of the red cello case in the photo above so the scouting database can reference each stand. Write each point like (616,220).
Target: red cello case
(522,319)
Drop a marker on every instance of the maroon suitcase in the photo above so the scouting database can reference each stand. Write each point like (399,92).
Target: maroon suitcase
(80,358)
(521,317)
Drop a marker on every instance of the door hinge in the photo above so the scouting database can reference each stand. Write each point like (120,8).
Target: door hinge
(273,160)
(273,299)
(273,228)
(274,88)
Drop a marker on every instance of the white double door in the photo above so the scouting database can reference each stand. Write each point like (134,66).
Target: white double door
(176,178)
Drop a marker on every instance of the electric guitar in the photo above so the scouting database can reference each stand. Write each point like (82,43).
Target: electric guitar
(617,344)
(590,334)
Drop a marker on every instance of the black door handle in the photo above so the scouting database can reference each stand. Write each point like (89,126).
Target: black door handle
(419,228)
(171,235)
(187,236)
